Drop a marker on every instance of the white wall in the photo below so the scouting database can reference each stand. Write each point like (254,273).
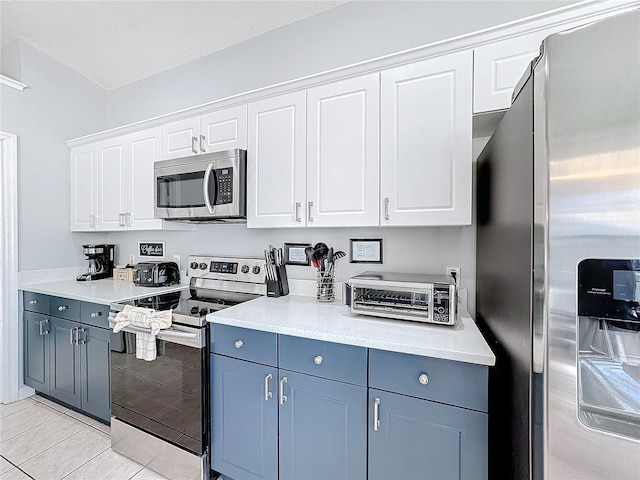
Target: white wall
(58,104)
(352,32)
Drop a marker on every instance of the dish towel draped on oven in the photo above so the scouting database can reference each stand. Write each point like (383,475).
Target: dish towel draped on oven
(153,320)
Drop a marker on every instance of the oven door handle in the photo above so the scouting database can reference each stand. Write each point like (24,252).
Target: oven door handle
(205,187)
(195,339)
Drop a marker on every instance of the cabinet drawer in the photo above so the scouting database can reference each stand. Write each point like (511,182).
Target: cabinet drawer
(36,302)
(455,383)
(94,314)
(345,363)
(64,308)
(245,344)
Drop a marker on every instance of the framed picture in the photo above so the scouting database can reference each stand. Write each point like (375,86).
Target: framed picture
(365,250)
(294,254)
(151,249)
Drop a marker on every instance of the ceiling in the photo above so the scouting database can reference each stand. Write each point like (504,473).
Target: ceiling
(115,42)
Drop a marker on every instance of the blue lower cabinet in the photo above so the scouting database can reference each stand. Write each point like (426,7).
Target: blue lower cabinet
(64,361)
(244,419)
(418,439)
(36,351)
(322,429)
(95,348)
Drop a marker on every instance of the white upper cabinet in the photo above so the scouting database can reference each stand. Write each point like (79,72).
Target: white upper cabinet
(213,132)
(276,162)
(425,142)
(111,187)
(84,165)
(343,153)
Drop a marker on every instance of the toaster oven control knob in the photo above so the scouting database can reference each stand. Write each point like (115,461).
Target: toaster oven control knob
(244,269)
(193,265)
(440,309)
(203,312)
(256,269)
(423,379)
(203,266)
(194,310)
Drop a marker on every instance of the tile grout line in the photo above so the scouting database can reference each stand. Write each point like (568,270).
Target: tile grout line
(16,466)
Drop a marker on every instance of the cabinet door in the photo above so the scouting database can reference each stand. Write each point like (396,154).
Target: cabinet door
(244,419)
(343,153)
(224,130)
(83,187)
(276,162)
(64,361)
(111,184)
(94,368)
(323,431)
(143,151)
(419,439)
(498,67)
(178,138)
(425,142)
(36,351)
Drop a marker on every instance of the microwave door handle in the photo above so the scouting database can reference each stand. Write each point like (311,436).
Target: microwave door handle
(205,188)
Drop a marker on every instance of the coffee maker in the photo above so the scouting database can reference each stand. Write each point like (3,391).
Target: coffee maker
(99,262)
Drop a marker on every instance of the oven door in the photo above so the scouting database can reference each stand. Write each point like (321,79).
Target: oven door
(166,397)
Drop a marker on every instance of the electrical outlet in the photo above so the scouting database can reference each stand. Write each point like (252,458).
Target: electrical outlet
(456,272)
(176,258)
(131,259)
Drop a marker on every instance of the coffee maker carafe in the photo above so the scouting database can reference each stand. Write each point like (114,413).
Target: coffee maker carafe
(99,262)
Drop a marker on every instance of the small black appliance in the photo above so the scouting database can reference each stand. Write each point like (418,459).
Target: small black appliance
(99,262)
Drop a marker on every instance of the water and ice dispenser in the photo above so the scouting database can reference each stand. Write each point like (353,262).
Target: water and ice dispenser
(609,345)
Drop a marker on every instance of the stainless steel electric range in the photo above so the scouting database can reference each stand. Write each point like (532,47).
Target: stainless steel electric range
(160,409)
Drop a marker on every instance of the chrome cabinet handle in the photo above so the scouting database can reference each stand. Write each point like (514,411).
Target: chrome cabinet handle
(127,219)
(283,397)
(267,393)
(95,314)
(376,414)
(43,332)
(62,308)
(311,219)
(386,208)
(239,343)
(318,359)
(71,339)
(423,379)
(121,219)
(93,221)
(202,143)
(194,144)
(84,340)
(298,208)
(33,302)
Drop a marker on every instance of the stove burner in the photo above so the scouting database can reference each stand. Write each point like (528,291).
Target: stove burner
(166,301)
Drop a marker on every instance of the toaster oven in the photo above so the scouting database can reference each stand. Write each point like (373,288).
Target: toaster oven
(404,296)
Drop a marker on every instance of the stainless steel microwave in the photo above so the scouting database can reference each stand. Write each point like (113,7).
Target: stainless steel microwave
(202,188)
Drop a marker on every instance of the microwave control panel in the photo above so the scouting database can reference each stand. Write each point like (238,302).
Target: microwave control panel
(224,177)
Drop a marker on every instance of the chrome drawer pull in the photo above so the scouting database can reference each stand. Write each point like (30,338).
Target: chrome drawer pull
(283,397)
(33,302)
(62,308)
(267,393)
(239,343)
(95,314)
(318,359)
(376,414)
(43,332)
(423,379)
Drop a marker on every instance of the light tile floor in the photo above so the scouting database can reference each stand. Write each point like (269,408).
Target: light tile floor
(42,440)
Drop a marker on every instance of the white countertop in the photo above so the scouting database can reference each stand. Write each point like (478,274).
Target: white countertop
(103,291)
(305,317)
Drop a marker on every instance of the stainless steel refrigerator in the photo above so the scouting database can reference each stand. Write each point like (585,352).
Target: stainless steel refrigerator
(558,261)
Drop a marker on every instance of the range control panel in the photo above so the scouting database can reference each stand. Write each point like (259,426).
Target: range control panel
(239,269)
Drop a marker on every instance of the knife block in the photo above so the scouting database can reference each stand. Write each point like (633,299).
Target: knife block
(279,287)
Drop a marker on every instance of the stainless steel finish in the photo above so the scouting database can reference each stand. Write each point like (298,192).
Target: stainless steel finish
(376,414)
(311,219)
(43,332)
(238,343)
(267,393)
(158,455)
(318,359)
(71,339)
(206,162)
(62,308)
(386,208)
(181,334)
(298,210)
(205,188)
(249,277)
(194,148)
(95,314)
(423,379)
(121,220)
(558,183)
(203,141)
(281,395)
(78,340)
(33,302)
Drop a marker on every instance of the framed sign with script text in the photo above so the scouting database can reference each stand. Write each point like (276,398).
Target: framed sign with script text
(151,249)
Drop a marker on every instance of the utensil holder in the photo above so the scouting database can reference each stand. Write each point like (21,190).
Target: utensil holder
(326,286)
